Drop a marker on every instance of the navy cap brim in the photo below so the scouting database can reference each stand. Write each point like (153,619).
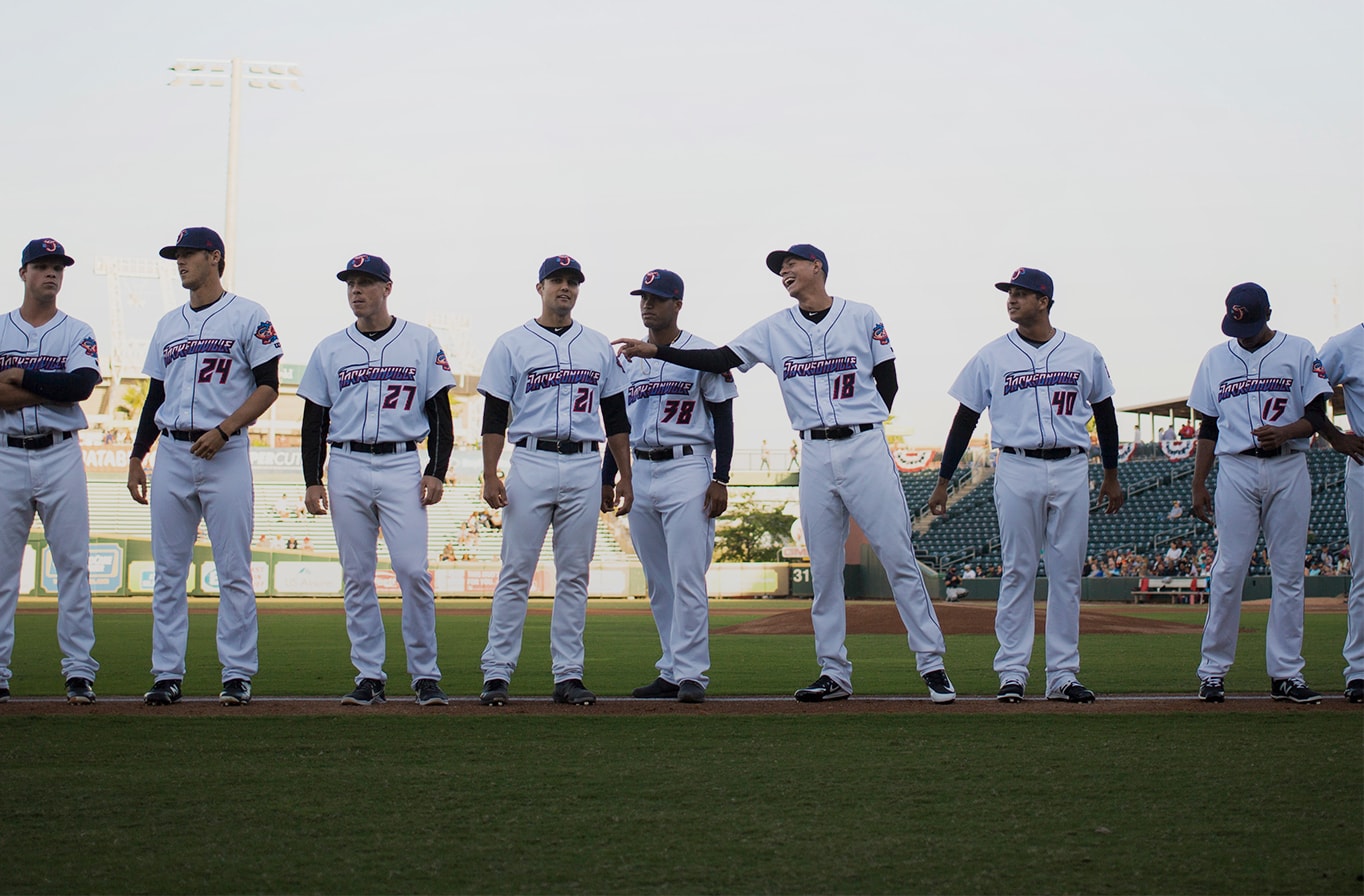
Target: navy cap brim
(1240,329)
(67,260)
(775,259)
(654,292)
(1005,287)
(344,276)
(169,252)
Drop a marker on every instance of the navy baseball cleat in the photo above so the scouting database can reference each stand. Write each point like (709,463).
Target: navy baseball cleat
(4,695)
(163,693)
(658,689)
(691,692)
(429,693)
(1074,692)
(235,692)
(1212,690)
(940,686)
(823,688)
(1354,690)
(1010,691)
(494,692)
(79,691)
(1294,690)
(367,691)
(572,691)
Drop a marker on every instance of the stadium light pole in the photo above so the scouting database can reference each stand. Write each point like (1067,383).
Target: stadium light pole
(231,73)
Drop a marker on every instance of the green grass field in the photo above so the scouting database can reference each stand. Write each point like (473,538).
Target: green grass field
(1224,801)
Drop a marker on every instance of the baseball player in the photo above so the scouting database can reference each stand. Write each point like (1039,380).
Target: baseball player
(678,416)
(1343,358)
(373,391)
(49,363)
(557,382)
(837,373)
(1261,394)
(1042,386)
(214,368)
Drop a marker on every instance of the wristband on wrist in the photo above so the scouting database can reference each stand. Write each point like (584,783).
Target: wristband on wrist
(221,433)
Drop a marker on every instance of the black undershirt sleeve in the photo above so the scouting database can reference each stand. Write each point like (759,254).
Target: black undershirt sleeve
(267,373)
(886,383)
(711,360)
(1315,412)
(442,438)
(316,424)
(1106,428)
(146,424)
(958,438)
(496,414)
(722,413)
(69,387)
(1207,429)
(614,416)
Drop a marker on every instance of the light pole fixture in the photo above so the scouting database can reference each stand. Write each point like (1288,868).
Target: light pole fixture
(232,73)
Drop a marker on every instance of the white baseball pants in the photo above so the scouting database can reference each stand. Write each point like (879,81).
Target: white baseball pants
(1354,516)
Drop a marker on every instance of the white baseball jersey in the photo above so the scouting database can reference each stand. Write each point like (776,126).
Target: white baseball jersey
(1342,357)
(1245,390)
(376,388)
(61,345)
(205,358)
(1038,396)
(666,403)
(554,383)
(824,368)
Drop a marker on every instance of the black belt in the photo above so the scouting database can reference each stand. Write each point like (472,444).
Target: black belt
(562,447)
(378,447)
(837,432)
(35,443)
(663,453)
(1044,453)
(1267,452)
(190,435)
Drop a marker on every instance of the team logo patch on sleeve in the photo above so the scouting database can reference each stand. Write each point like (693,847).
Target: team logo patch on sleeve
(442,362)
(90,348)
(265,332)
(1318,368)
(879,333)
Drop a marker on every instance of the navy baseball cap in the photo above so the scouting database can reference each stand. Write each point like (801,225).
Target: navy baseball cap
(559,263)
(661,283)
(1030,279)
(800,250)
(195,238)
(45,248)
(1247,311)
(372,265)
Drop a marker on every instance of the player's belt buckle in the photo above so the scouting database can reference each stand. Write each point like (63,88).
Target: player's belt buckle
(837,432)
(1044,453)
(36,443)
(1267,452)
(381,447)
(664,453)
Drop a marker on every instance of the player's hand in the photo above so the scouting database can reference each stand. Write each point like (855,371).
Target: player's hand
(315,500)
(937,502)
(1350,445)
(1202,503)
(494,492)
(717,499)
(608,498)
(625,496)
(137,480)
(1111,491)
(12,376)
(432,490)
(1270,437)
(208,444)
(635,348)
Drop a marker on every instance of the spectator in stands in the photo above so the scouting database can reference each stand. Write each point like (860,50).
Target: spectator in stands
(307,544)
(1168,434)
(1176,511)
(447,553)
(1136,434)
(284,508)
(952,585)
(291,544)
(764,457)
(971,572)
(1187,431)
(794,463)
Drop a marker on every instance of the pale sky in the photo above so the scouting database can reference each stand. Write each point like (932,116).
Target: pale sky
(1149,156)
